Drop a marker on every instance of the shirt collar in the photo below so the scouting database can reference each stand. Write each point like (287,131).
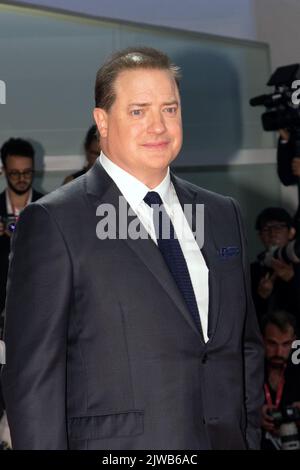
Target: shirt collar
(9,208)
(132,189)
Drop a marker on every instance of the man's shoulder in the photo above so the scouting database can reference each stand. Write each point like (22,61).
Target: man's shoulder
(65,207)
(66,194)
(203,195)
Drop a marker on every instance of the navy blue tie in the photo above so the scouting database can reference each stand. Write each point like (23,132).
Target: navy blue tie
(172,253)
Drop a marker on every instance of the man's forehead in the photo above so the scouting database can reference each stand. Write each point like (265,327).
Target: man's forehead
(142,83)
(19,160)
(272,332)
(273,222)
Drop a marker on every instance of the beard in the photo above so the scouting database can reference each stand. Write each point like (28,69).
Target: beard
(19,188)
(277,362)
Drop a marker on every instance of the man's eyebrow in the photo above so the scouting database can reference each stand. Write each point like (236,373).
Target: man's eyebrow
(143,105)
(169,103)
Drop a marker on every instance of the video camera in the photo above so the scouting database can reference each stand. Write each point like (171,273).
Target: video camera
(285,420)
(289,414)
(9,222)
(289,253)
(282,112)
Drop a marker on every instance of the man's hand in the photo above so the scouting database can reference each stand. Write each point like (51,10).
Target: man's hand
(4,231)
(267,422)
(283,270)
(266,285)
(296,166)
(284,134)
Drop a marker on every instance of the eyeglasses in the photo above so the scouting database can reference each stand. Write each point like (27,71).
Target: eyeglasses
(16,174)
(274,227)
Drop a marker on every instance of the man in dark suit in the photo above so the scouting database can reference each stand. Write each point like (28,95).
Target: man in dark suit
(123,341)
(17,156)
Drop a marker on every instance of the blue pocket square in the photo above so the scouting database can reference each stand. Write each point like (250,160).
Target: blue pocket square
(229,251)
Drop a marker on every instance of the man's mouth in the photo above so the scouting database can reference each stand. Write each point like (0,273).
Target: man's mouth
(160,145)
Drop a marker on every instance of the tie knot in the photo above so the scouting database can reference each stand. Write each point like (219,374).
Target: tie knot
(152,198)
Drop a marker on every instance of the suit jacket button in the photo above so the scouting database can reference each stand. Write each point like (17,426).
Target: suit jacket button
(204,358)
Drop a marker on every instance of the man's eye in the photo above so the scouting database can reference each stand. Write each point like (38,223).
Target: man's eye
(136,112)
(171,109)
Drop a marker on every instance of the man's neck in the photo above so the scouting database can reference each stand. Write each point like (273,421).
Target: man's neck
(18,201)
(275,376)
(150,178)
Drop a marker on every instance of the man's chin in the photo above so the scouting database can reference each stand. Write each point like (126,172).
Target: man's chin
(277,364)
(21,191)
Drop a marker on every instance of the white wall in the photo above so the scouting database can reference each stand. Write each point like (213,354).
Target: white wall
(273,21)
(278,23)
(222,17)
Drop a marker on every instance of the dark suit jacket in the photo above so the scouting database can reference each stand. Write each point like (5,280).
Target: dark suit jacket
(285,154)
(4,256)
(5,247)
(102,352)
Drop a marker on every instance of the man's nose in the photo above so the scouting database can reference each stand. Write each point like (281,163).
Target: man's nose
(280,351)
(157,123)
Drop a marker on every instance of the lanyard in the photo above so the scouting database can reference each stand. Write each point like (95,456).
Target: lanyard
(279,393)
(15,210)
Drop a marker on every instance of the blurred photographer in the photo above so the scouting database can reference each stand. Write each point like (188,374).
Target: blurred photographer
(282,113)
(275,285)
(281,411)
(288,163)
(17,156)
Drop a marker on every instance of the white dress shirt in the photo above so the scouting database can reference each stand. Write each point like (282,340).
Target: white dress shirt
(14,210)
(134,192)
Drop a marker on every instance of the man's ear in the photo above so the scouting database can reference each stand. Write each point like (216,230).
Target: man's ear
(100,116)
(292,233)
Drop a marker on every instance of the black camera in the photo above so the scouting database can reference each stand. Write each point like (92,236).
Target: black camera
(289,253)
(9,222)
(282,112)
(288,414)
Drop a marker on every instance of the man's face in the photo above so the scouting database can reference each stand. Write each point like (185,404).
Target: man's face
(19,173)
(142,131)
(278,345)
(276,233)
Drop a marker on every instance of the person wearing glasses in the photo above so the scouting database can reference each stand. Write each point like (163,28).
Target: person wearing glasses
(275,286)
(17,156)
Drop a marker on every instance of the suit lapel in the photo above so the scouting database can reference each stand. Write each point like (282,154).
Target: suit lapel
(149,253)
(102,189)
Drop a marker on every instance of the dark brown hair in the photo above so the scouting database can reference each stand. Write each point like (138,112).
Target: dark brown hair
(281,319)
(18,147)
(129,59)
